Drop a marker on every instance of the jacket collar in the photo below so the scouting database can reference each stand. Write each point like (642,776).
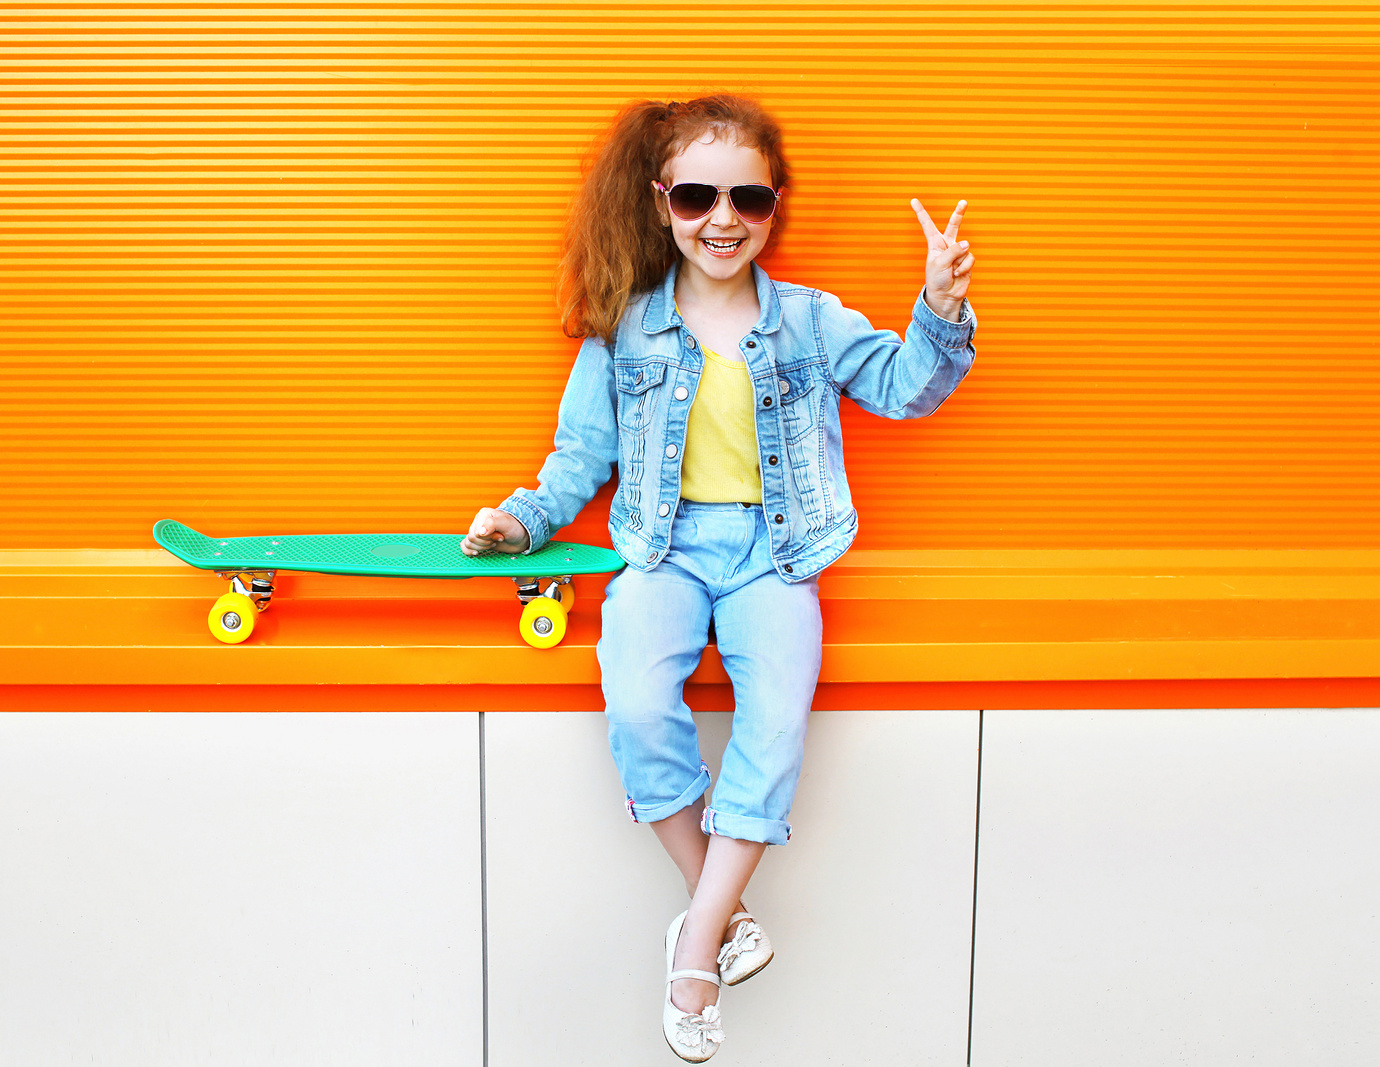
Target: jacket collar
(661,311)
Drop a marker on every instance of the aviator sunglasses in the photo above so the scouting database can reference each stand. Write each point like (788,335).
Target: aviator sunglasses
(689,201)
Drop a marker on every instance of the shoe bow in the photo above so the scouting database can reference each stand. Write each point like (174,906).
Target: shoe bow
(698,1032)
(745,940)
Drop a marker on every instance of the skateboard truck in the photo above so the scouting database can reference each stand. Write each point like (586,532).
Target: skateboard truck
(529,589)
(260,587)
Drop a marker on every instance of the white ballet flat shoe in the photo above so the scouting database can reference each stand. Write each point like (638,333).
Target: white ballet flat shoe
(746,952)
(694,1038)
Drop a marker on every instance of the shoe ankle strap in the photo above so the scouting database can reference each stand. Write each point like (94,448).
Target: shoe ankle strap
(703,976)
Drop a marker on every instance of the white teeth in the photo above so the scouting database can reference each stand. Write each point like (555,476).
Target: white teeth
(724,246)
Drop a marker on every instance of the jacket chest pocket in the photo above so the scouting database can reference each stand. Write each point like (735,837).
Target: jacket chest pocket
(800,399)
(638,387)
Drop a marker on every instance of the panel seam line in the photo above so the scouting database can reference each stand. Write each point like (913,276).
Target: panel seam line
(977,831)
(483,893)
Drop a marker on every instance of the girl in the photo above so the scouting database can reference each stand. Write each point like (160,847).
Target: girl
(716,393)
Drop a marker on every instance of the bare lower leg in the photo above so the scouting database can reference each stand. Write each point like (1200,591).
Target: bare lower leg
(684,841)
(686,844)
(728,867)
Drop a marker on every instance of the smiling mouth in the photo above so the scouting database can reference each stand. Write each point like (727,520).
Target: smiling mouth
(722,247)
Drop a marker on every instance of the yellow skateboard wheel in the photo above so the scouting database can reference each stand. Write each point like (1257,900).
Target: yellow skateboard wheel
(567,596)
(543,622)
(232,618)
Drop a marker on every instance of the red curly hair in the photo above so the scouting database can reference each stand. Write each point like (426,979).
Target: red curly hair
(615,243)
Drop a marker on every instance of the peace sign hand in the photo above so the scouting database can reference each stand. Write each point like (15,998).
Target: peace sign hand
(949,265)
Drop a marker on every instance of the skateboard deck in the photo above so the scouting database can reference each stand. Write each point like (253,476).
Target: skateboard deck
(543,577)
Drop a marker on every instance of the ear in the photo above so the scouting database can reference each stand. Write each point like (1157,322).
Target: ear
(660,203)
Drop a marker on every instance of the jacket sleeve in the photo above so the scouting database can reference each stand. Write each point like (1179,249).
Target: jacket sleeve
(900,379)
(586,448)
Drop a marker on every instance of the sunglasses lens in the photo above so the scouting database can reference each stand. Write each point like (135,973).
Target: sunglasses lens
(754,203)
(691,201)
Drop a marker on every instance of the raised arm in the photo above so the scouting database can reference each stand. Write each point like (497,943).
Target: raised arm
(910,377)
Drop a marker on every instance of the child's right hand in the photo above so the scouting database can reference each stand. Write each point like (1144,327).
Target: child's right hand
(495,531)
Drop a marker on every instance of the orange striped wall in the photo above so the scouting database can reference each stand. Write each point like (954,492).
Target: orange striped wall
(289,266)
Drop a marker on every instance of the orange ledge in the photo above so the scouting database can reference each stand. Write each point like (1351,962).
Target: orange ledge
(902,629)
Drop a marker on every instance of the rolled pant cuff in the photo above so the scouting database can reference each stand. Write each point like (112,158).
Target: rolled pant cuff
(657,812)
(745,827)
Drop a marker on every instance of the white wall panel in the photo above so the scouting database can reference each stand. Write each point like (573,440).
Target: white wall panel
(1178,887)
(869,906)
(239,889)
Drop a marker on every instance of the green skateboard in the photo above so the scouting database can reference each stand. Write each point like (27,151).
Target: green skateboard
(250,564)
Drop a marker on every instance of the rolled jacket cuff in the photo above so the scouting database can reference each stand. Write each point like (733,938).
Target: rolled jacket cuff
(945,332)
(532,519)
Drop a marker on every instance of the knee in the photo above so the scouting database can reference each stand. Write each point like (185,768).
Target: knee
(637,729)
(639,693)
(633,705)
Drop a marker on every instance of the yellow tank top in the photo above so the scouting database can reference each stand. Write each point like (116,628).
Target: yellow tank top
(720,463)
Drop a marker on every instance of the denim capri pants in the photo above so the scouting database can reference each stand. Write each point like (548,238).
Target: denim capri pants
(656,625)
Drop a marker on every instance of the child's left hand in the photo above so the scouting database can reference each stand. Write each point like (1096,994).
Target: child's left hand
(949,265)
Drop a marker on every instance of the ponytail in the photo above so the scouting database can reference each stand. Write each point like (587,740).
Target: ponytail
(615,243)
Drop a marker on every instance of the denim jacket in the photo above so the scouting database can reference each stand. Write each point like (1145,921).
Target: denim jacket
(628,404)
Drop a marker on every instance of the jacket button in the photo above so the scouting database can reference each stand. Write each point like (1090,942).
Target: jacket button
(682,392)
(784,385)
(689,341)
(651,558)
(664,510)
(766,401)
(639,379)
(788,569)
(780,518)
(752,344)
(671,451)
(773,460)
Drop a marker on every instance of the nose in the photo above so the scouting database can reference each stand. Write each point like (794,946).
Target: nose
(723,214)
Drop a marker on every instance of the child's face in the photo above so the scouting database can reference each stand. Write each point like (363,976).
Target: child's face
(720,245)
